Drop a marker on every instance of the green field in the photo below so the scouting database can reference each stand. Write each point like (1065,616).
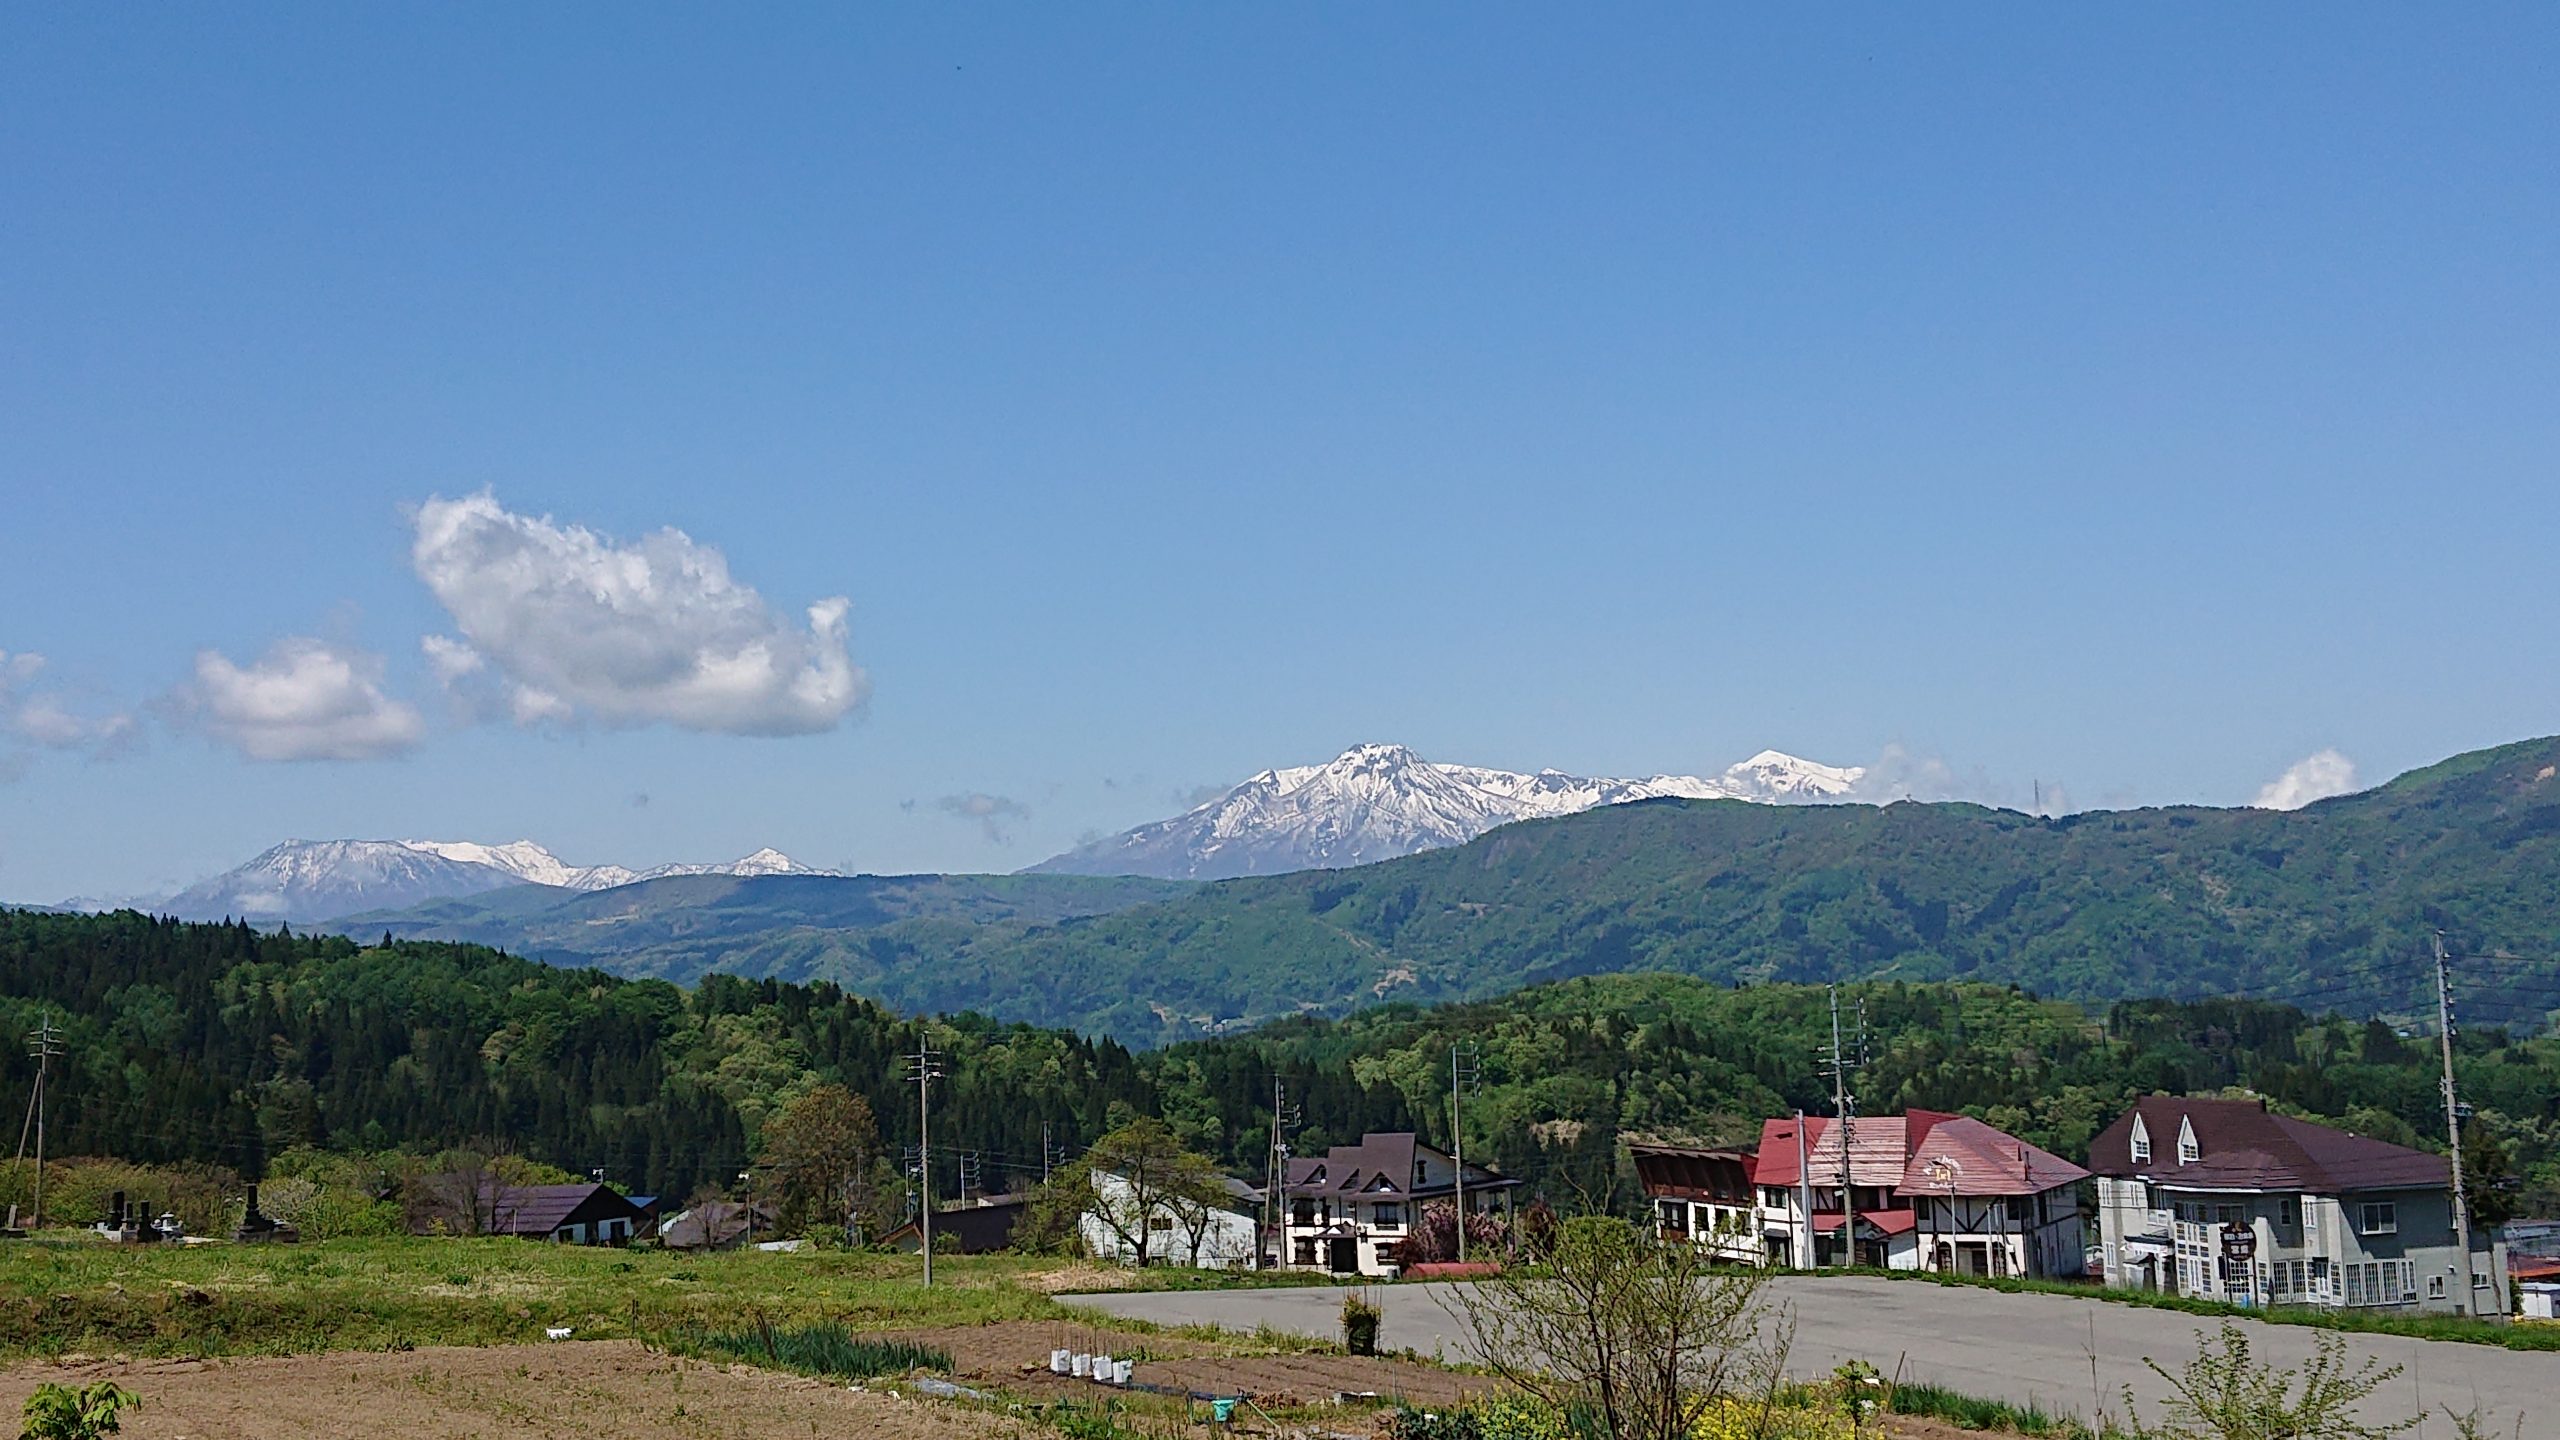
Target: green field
(72,1297)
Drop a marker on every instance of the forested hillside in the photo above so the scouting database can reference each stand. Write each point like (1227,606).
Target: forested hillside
(2333,904)
(219,1043)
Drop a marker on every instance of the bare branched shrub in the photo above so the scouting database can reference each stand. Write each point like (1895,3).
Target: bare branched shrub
(1611,1322)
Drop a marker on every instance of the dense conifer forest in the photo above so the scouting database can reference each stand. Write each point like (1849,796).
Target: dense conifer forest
(220,1043)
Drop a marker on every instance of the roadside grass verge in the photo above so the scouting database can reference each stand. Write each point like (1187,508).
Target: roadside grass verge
(1973,1412)
(2463,1328)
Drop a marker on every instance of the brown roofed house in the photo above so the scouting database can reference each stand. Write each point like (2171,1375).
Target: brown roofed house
(2227,1200)
(1348,1210)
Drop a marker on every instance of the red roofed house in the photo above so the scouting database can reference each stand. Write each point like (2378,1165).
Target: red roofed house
(1932,1192)
(2227,1200)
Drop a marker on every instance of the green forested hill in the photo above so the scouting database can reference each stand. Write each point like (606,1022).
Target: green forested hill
(219,1043)
(2333,905)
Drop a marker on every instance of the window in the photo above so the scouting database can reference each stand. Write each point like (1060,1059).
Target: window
(1303,1252)
(2141,1142)
(2386,1282)
(1773,1197)
(2288,1212)
(2435,1287)
(2189,1152)
(1159,1222)
(2379,1217)
(1302,1213)
(1390,1217)
(2226,1214)
(2311,1217)
(1671,1213)
(2019,1211)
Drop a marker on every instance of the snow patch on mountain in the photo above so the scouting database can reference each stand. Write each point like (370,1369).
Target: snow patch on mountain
(315,880)
(1376,802)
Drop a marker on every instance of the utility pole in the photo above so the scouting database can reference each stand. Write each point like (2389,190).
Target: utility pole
(2453,1125)
(1844,1108)
(1464,1069)
(45,1046)
(924,1067)
(1275,1194)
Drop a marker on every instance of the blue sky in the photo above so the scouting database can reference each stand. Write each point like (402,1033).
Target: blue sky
(2139,403)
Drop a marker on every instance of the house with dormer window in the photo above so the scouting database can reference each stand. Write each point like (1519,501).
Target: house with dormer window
(2226,1200)
(1346,1211)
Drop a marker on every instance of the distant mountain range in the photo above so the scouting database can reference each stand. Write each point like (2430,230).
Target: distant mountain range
(2331,906)
(1373,802)
(1377,802)
(319,880)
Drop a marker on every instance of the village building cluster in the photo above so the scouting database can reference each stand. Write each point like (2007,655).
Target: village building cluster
(2217,1199)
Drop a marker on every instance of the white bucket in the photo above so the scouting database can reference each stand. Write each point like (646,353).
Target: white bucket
(1080,1366)
(1058,1362)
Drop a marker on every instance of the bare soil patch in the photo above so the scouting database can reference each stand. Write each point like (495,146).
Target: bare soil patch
(601,1390)
(1014,1356)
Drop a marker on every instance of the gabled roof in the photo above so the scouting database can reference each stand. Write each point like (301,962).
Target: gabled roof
(1381,1156)
(541,1209)
(1355,1169)
(2244,1146)
(1879,1148)
(1963,1156)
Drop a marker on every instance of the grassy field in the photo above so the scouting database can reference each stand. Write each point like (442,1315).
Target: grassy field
(85,1298)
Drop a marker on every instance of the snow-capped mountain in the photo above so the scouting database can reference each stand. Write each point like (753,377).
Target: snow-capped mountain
(314,880)
(1375,802)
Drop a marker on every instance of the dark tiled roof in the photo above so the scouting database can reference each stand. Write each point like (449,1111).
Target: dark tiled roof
(541,1209)
(1386,1156)
(2241,1145)
(1356,1169)
(1689,1172)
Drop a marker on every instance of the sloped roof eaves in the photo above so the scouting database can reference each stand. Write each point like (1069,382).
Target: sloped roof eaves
(542,1209)
(1875,1151)
(2244,1146)
(1984,1161)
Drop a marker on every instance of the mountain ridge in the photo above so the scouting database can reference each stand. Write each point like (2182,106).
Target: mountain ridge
(1379,801)
(314,881)
(2331,904)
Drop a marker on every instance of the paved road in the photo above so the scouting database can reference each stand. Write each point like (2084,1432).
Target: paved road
(2019,1348)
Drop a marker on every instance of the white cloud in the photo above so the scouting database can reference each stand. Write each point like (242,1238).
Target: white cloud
(41,718)
(2314,777)
(579,624)
(451,659)
(303,700)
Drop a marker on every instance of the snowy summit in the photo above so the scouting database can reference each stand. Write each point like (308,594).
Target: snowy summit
(311,880)
(1375,802)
